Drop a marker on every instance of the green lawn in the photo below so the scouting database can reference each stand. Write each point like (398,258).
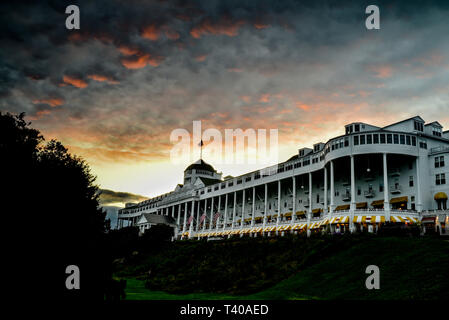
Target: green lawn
(410,268)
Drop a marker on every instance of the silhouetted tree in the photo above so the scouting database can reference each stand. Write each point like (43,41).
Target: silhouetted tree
(52,201)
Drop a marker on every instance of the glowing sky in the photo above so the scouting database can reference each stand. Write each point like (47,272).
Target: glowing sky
(114,90)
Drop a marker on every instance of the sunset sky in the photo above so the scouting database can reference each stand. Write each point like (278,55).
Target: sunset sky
(114,90)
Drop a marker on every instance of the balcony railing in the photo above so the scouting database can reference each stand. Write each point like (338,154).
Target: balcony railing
(370,193)
(395,189)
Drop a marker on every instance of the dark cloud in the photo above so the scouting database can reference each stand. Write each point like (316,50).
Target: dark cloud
(138,69)
(108,197)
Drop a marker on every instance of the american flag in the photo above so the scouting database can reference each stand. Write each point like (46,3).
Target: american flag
(190,220)
(216,216)
(202,218)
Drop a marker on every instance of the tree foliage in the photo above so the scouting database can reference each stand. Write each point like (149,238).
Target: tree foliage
(52,200)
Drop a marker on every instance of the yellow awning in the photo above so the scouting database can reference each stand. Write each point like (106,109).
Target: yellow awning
(300,213)
(342,207)
(440,196)
(399,199)
(361,205)
(377,203)
(258,218)
(247,220)
(403,219)
(318,210)
(369,219)
(288,214)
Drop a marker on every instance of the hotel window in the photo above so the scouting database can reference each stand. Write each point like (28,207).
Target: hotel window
(369,139)
(357,128)
(410,182)
(317,198)
(341,143)
(376,138)
(423,144)
(440,179)
(239,181)
(362,139)
(256,176)
(247,179)
(381,187)
(382,138)
(419,126)
(396,138)
(402,139)
(389,138)
(346,142)
(439,162)
(359,191)
(230,184)
(356,140)
(408,140)
(414,141)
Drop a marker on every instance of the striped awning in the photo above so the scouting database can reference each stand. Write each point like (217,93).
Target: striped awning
(342,219)
(314,225)
(403,219)
(369,219)
(342,207)
(299,226)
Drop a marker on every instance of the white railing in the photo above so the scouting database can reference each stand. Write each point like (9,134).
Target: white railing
(358,212)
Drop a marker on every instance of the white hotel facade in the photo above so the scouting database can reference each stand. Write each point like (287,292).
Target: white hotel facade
(353,183)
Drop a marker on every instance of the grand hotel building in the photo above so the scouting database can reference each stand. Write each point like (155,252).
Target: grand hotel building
(355,182)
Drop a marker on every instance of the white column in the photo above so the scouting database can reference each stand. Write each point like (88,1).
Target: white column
(197,222)
(218,210)
(309,214)
(418,187)
(253,217)
(185,218)
(386,189)
(243,209)
(211,214)
(178,221)
(294,200)
(332,189)
(192,213)
(225,220)
(353,202)
(266,206)
(204,212)
(173,211)
(278,218)
(234,209)
(325,191)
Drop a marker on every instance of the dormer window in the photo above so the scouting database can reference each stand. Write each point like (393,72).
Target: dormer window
(419,126)
(357,128)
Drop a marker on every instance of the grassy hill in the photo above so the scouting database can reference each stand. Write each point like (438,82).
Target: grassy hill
(292,268)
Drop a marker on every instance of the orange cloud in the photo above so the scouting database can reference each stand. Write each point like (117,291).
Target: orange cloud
(151,32)
(265,98)
(302,106)
(101,78)
(261,26)
(222,27)
(127,51)
(381,71)
(201,58)
(52,102)
(79,83)
(141,61)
